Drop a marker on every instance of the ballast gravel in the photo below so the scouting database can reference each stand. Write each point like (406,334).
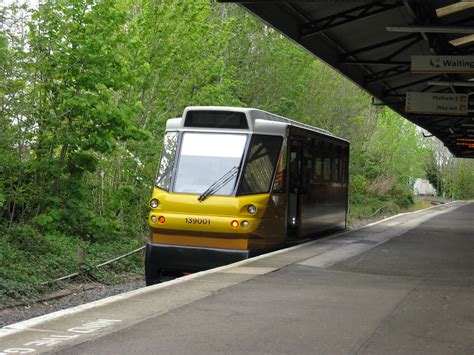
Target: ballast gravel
(19,313)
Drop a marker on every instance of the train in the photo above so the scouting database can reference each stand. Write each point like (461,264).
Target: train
(236,182)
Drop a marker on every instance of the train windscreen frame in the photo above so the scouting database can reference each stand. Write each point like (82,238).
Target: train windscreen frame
(168,153)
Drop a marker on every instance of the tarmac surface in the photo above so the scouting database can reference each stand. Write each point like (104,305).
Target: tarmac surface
(404,285)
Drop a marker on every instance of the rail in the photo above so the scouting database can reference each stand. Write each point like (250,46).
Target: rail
(70,276)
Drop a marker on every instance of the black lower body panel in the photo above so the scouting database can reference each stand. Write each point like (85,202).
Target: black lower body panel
(190,259)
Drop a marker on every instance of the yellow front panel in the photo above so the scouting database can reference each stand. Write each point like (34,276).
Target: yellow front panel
(203,222)
(208,223)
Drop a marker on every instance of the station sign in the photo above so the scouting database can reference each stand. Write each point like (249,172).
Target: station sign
(442,64)
(434,103)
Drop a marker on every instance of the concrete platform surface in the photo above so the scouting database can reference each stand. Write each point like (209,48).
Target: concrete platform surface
(401,286)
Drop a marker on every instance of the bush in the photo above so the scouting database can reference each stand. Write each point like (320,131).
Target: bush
(358,185)
(378,201)
(402,196)
(31,257)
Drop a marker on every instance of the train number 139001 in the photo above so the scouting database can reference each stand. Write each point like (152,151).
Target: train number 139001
(197,220)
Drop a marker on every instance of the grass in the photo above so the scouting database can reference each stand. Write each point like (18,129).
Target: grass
(29,259)
(371,208)
(420,205)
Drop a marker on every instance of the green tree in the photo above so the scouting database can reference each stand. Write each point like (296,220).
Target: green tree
(463,179)
(15,104)
(82,74)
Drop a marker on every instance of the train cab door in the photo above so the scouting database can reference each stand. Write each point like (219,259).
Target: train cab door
(295,187)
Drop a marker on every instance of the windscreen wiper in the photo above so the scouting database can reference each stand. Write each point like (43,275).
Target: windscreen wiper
(219,183)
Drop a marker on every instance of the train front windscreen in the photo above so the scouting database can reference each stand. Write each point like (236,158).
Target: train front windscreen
(204,158)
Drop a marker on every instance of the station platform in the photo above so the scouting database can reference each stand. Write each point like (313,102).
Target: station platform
(403,285)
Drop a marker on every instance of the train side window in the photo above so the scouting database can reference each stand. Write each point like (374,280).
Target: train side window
(346,165)
(168,152)
(318,173)
(337,169)
(260,165)
(327,169)
(307,163)
(343,169)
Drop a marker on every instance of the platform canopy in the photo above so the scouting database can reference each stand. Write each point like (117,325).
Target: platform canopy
(372,44)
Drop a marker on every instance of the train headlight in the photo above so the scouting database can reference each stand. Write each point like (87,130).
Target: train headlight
(252,209)
(153,219)
(244,224)
(234,224)
(154,203)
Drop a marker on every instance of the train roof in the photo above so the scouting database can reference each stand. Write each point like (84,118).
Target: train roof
(258,121)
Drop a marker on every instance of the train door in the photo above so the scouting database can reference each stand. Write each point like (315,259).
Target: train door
(294,189)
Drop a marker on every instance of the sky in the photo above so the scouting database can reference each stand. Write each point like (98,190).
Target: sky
(8,2)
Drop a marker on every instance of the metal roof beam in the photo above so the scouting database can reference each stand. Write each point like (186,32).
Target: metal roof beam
(374,62)
(413,83)
(444,91)
(381,44)
(413,15)
(403,48)
(431,29)
(457,42)
(454,8)
(342,18)
(451,83)
(385,74)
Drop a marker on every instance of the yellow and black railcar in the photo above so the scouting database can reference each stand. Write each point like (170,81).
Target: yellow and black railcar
(236,182)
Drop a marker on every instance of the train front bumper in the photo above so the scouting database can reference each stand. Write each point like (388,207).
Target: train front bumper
(190,259)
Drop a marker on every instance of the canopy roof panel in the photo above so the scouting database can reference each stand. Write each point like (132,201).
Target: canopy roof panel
(354,38)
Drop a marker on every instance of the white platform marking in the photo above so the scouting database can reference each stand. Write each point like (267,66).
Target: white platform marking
(249,270)
(331,257)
